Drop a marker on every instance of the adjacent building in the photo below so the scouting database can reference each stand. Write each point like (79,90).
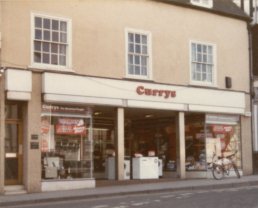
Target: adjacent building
(94,89)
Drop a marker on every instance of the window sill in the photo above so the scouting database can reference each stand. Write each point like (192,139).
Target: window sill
(50,68)
(140,78)
(203,84)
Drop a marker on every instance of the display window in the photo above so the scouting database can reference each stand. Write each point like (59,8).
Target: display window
(223,137)
(209,136)
(195,142)
(66,142)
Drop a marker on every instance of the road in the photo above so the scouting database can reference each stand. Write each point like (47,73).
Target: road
(243,197)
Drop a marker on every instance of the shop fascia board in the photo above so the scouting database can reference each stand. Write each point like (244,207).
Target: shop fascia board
(18,84)
(103,91)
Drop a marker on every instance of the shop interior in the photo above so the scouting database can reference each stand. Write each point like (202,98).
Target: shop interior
(148,133)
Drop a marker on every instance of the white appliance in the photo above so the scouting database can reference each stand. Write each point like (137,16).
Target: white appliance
(145,168)
(110,169)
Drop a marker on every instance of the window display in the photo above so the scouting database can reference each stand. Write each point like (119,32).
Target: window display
(195,142)
(223,137)
(66,142)
(211,135)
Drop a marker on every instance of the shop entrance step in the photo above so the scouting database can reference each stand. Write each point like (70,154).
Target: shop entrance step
(14,190)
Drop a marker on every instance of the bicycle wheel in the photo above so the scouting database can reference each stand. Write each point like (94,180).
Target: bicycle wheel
(236,170)
(217,172)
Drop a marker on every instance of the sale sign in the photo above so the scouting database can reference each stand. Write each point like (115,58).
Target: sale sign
(70,126)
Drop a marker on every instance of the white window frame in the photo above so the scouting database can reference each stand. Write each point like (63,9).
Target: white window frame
(149,52)
(203,3)
(214,69)
(68,66)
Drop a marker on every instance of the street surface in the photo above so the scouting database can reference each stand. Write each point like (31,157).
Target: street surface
(242,197)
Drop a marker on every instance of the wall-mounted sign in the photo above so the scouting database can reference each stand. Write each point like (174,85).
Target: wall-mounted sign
(34,145)
(141,90)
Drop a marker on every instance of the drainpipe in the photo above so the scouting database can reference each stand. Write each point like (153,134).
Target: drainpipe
(249,28)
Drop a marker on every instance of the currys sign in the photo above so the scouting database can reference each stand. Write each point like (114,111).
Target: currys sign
(141,90)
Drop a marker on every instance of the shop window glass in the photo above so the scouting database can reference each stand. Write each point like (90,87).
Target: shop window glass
(195,142)
(66,142)
(223,137)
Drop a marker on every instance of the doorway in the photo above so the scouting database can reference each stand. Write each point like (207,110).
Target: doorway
(13,145)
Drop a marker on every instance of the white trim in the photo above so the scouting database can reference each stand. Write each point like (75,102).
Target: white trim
(202,4)
(149,39)
(215,109)
(68,66)
(55,98)
(11,95)
(214,70)
(125,93)
(156,105)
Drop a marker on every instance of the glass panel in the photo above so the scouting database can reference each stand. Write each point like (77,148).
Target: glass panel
(54,59)
(37,57)
(38,22)
(131,69)
(137,38)
(144,61)
(144,39)
(62,60)
(144,70)
(199,48)
(38,34)
(137,70)
(46,23)
(137,48)
(63,26)
(46,35)
(199,57)
(37,46)
(131,48)
(210,59)
(63,37)
(137,59)
(11,138)
(131,37)
(46,58)
(204,58)
(144,49)
(54,48)
(55,36)
(62,49)
(46,47)
(55,25)
(130,59)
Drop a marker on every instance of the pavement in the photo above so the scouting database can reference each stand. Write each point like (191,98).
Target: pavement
(116,189)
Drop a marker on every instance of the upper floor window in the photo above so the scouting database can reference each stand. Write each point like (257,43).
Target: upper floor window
(138,54)
(51,41)
(203,3)
(202,64)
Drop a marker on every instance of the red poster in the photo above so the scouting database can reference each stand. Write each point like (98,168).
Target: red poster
(70,126)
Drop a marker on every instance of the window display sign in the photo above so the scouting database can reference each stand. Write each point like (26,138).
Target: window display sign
(70,126)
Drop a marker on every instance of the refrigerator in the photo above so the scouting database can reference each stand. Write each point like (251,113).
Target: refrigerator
(145,168)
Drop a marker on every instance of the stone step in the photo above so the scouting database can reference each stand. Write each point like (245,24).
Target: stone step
(14,190)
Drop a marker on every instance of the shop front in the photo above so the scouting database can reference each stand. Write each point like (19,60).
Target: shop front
(120,129)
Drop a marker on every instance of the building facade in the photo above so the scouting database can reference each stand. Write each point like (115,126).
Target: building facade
(93,89)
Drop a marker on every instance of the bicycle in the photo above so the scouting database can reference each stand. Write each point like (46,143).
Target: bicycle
(223,166)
